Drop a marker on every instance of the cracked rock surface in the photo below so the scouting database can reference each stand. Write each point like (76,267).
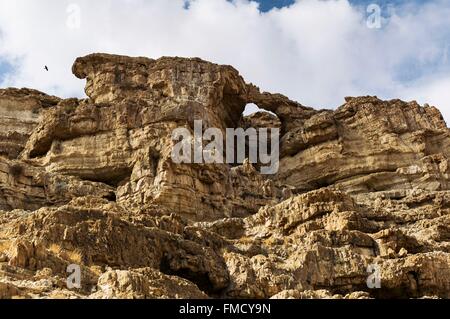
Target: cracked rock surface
(91,182)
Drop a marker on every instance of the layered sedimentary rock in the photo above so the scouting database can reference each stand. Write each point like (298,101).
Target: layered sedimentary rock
(20,114)
(92,183)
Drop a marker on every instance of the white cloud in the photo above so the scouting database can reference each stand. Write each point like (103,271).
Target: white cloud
(316,52)
(433,91)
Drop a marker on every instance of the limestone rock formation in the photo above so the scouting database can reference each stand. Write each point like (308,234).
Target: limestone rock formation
(361,191)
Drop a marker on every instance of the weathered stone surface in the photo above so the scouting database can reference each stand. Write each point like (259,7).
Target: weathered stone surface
(20,112)
(91,182)
(369,145)
(145,283)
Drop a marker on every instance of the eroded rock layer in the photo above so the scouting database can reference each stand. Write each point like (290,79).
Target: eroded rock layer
(92,183)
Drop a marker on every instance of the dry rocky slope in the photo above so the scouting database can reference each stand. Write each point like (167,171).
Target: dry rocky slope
(91,182)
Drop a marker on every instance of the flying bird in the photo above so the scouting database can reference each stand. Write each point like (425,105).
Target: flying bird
(46,68)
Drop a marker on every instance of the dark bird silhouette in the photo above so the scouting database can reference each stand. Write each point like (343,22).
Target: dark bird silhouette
(46,68)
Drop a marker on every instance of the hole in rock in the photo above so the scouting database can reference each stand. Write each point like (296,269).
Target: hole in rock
(154,161)
(111,197)
(321,183)
(15,170)
(402,292)
(255,120)
(253,108)
(111,177)
(201,279)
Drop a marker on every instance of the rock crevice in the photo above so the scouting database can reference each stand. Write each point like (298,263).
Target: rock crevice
(91,182)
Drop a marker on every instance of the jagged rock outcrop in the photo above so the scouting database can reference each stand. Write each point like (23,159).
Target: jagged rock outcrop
(92,183)
(20,112)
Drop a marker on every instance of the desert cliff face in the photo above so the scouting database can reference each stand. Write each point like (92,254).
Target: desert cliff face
(91,183)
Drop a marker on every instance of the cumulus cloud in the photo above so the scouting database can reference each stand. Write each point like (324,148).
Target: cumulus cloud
(433,91)
(316,52)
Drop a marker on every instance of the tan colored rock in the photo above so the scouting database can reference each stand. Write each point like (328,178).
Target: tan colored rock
(7,291)
(368,145)
(144,283)
(91,183)
(20,112)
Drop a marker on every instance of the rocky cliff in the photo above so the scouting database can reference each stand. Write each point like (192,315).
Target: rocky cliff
(91,183)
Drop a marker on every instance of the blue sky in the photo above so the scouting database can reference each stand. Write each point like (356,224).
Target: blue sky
(314,51)
(266,5)
(5,67)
